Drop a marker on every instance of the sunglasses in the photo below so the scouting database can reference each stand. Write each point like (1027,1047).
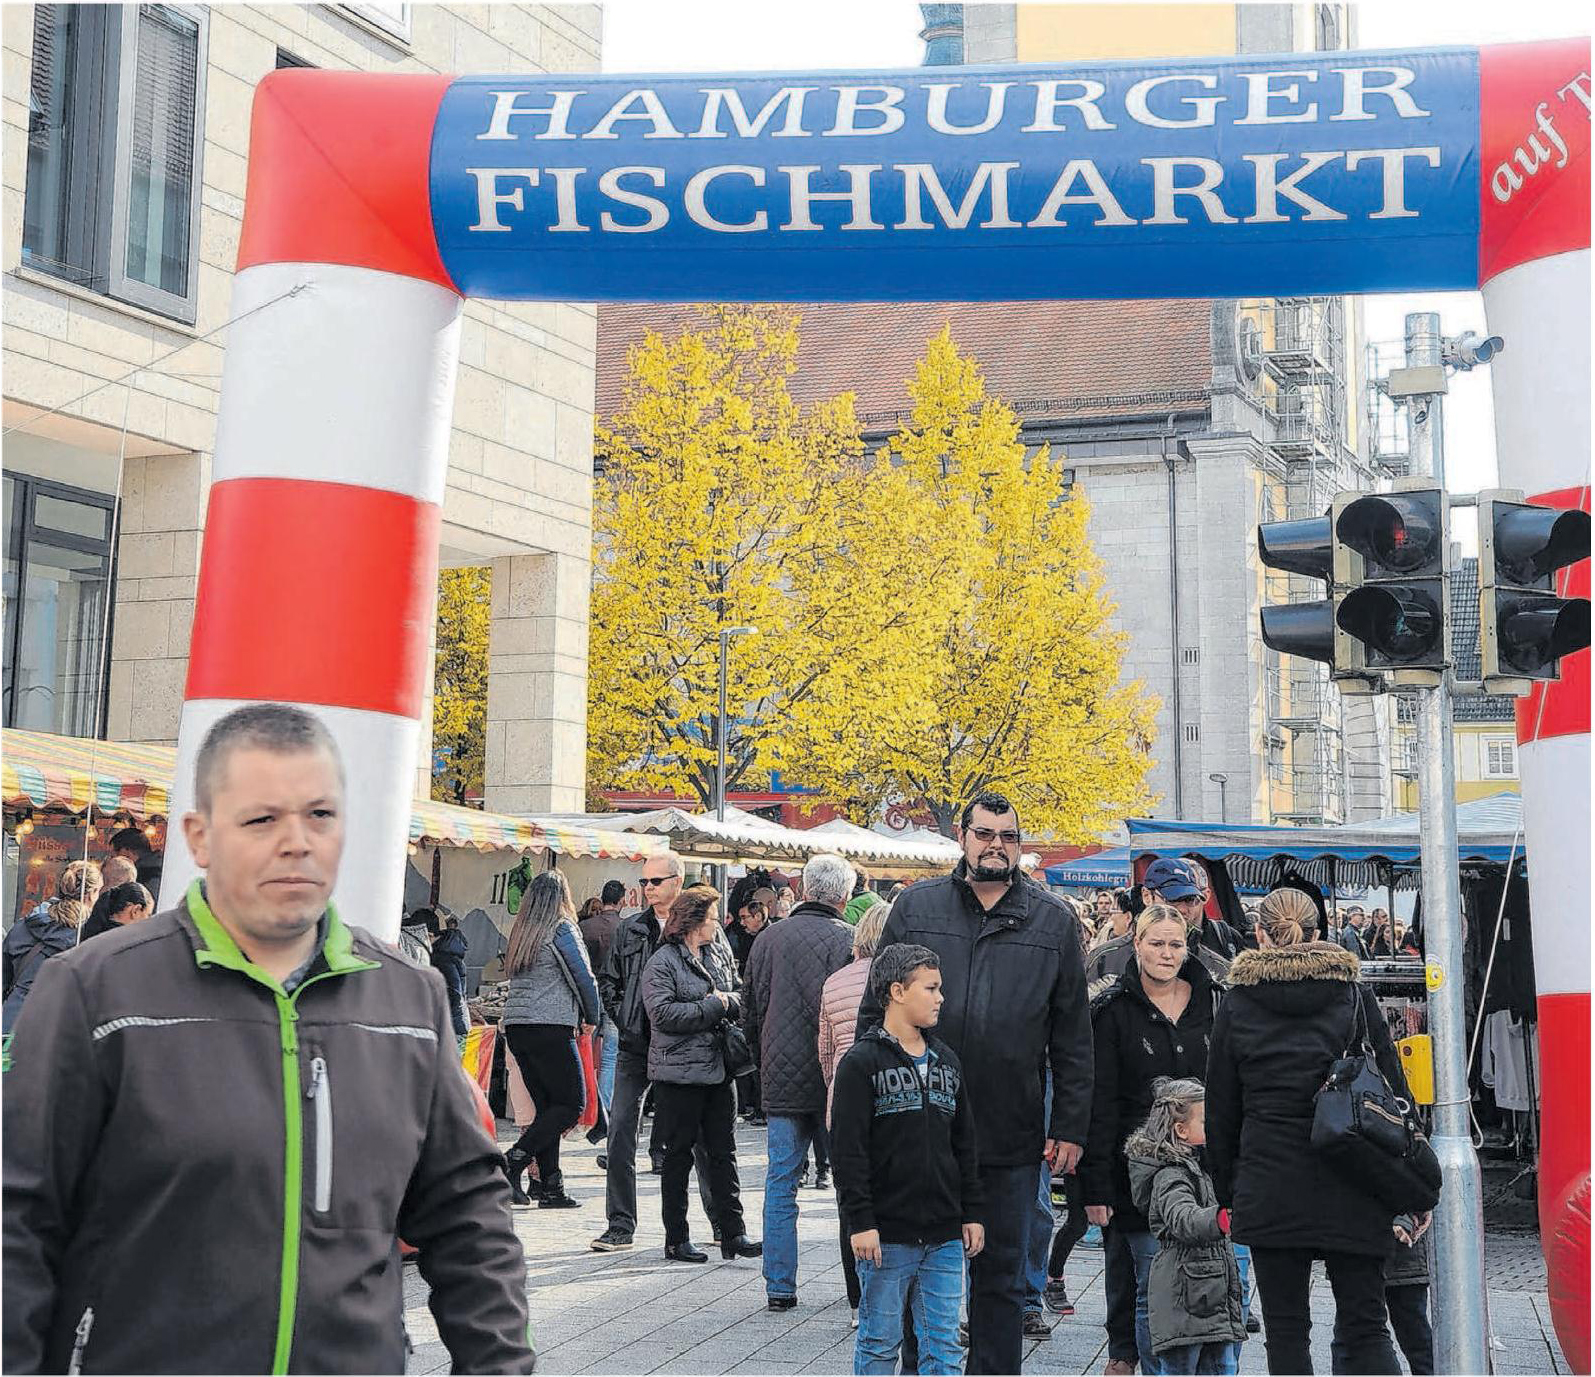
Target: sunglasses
(985,835)
(648,880)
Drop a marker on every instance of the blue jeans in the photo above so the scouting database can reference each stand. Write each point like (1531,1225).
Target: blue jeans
(787,1146)
(606,1061)
(1144,1248)
(930,1279)
(1040,1239)
(1222,1359)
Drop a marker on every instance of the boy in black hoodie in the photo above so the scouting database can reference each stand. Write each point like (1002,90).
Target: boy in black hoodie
(903,1148)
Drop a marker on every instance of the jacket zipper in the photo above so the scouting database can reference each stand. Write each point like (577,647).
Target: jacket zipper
(320,1095)
(81,1342)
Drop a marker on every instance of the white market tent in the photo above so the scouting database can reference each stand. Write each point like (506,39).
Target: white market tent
(742,838)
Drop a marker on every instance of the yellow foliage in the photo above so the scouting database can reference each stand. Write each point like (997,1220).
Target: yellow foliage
(1026,696)
(932,622)
(459,698)
(724,504)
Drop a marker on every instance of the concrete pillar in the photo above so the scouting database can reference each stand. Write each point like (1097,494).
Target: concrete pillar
(537,685)
(157,571)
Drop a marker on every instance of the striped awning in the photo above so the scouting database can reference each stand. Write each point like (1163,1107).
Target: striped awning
(76,773)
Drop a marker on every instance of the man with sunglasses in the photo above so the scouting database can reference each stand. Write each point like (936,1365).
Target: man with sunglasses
(620,988)
(1013,983)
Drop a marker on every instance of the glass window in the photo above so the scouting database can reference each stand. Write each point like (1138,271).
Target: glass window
(1500,758)
(160,126)
(57,604)
(114,138)
(389,17)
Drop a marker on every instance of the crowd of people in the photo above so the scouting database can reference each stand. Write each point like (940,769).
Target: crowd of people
(959,1053)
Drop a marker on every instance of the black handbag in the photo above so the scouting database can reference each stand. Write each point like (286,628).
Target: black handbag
(1369,1133)
(736,1049)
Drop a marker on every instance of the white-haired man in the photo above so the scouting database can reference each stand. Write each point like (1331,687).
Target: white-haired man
(787,969)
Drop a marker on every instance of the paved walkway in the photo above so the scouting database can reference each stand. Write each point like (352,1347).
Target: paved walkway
(636,1313)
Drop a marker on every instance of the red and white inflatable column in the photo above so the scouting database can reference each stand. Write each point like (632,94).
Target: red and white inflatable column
(1535,267)
(318,579)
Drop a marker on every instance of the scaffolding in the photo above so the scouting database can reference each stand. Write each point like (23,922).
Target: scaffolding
(1304,356)
(1386,423)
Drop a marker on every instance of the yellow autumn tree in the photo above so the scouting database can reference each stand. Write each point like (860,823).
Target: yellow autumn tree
(459,697)
(722,504)
(1027,696)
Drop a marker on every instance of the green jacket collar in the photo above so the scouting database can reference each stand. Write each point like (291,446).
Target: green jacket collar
(216,946)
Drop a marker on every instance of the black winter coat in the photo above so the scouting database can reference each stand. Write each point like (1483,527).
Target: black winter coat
(1135,1044)
(789,965)
(1288,1015)
(620,981)
(685,1014)
(1014,988)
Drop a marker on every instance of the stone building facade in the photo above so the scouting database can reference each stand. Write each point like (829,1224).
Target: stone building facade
(126,142)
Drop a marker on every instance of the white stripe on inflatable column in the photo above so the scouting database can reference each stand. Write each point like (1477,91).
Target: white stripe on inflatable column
(1555,775)
(1541,378)
(379,753)
(349,381)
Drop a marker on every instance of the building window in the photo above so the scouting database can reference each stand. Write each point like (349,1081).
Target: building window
(392,19)
(1406,710)
(1500,758)
(115,129)
(57,597)
(1409,754)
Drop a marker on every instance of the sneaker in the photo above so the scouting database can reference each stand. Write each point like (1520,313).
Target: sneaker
(603,1162)
(1092,1237)
(596,1135)
(803,1176)
(1117,1367)
(518,1197)
(822,1179)
(1056,1298)
(1036,1326)
(852,1322)
(781,1303)
(656,1163)
(963,1334)
(612,1240)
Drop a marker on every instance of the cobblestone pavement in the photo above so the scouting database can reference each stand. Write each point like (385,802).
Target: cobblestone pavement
(636,1313)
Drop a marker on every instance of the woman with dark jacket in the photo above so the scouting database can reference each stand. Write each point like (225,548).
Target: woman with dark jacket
(1289,1014)
(688,995)
(1154,1020)
(552,996)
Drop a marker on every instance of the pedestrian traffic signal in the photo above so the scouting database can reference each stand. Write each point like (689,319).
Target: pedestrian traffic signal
(1524,626)
(1396,558)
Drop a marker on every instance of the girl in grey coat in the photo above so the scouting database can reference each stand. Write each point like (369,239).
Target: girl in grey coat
(689,998)
(1195,1309)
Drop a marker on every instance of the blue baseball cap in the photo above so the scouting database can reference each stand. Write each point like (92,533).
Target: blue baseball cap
(1172,879)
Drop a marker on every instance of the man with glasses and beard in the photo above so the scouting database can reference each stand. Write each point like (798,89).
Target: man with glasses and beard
(620,988)
(1015,1002)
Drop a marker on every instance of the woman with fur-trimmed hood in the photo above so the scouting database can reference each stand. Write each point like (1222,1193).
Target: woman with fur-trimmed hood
(1288,1016)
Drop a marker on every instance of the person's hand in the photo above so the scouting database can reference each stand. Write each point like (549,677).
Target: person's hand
(1424,1220)
(867,1245)
(1062,1157)
(974,1239)
(587,1030)
(1099,1215)
(1401,1234)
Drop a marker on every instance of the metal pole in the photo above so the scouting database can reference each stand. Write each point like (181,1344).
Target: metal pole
(720,732)
(1461,1318)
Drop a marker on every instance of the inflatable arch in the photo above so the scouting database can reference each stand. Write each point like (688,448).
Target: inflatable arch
(376,203)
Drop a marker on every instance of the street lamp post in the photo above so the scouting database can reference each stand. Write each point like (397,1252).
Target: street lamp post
(720,731)
(1221,781)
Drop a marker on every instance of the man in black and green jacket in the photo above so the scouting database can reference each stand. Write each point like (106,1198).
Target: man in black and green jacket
(219,1121)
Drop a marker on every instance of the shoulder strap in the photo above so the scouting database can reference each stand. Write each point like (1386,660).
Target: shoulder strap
(1359,1027)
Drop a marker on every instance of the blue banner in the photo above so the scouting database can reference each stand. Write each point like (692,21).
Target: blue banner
(1299,174)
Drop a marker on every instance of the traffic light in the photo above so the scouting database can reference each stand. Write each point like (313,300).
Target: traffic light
(1395,559)
(1524,626)
(1303,546)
